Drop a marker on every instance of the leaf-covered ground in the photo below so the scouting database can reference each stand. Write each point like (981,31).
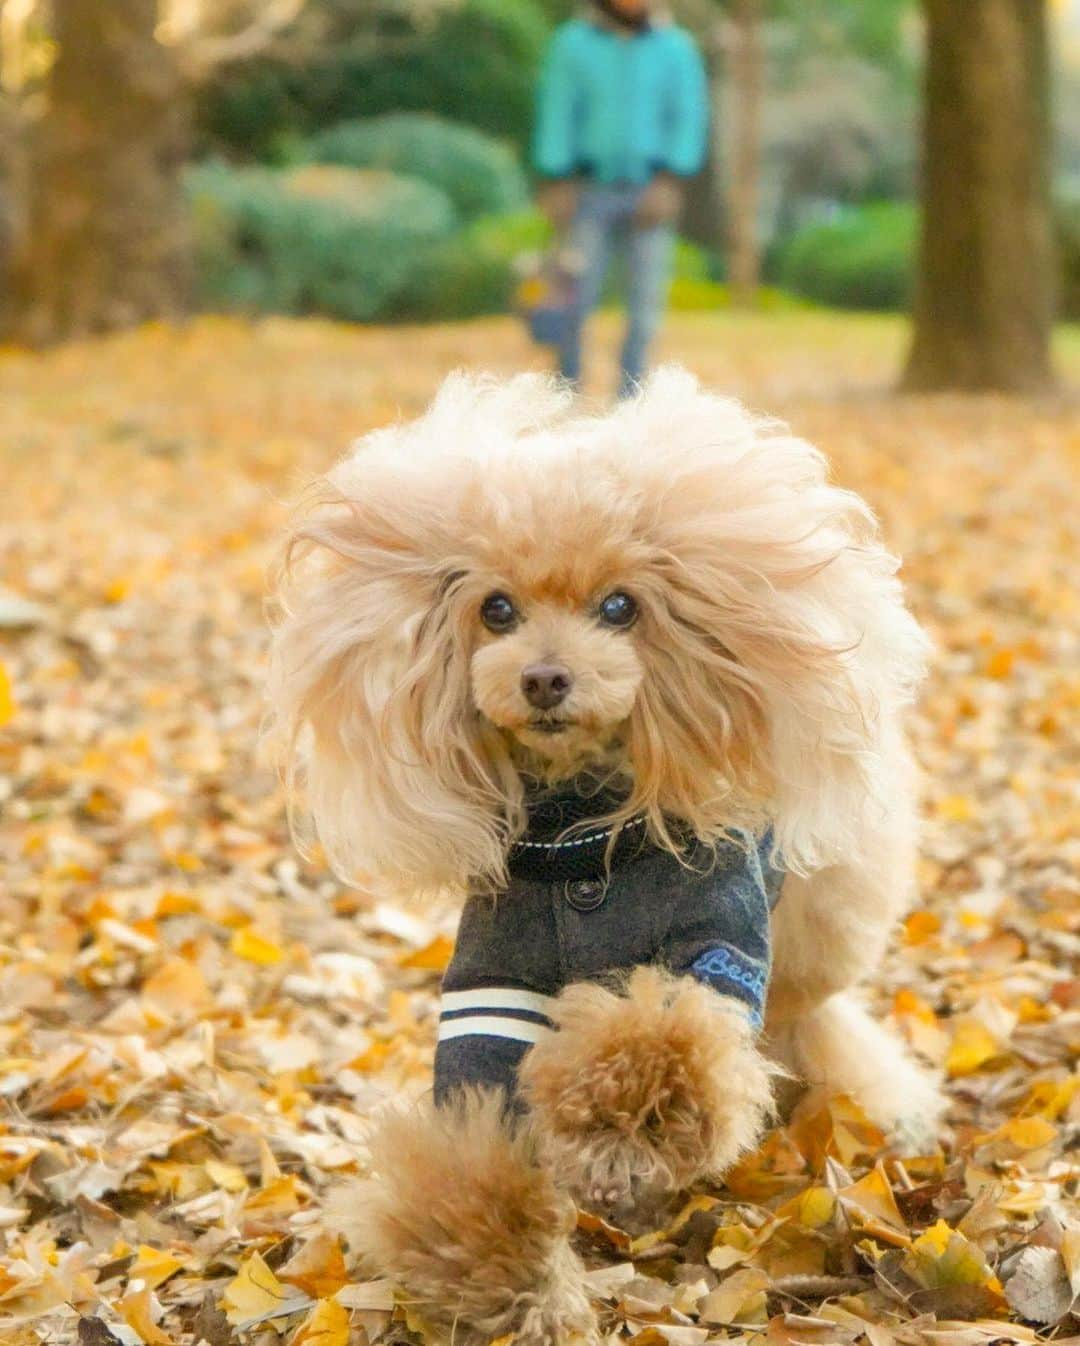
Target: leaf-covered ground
(194,1025)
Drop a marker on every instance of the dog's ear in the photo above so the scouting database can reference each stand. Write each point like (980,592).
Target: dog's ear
(370,696)
(778,619)
(369,669)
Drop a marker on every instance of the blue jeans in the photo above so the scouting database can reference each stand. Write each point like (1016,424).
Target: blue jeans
(604,222)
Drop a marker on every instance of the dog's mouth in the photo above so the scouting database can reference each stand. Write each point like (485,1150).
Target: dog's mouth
(550,726)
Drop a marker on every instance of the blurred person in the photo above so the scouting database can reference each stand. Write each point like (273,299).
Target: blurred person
(622,118)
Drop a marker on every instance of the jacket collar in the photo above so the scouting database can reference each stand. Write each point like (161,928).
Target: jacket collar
(596,14)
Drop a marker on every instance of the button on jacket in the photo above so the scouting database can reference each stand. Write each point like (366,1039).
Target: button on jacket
(621,107)
(567,916)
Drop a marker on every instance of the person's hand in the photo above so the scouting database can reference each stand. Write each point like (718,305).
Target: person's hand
(660,202)
(557,198)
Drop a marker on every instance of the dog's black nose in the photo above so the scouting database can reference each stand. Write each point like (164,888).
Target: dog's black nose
(545,685)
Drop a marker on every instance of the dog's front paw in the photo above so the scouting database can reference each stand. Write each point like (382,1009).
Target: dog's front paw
(470,1227)
(640,1094)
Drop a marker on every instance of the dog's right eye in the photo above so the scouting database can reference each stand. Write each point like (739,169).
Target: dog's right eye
(498,613)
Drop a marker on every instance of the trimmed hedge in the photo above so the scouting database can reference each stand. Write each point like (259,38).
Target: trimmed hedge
(866,258)
(480,175)
(473,272)
(862,259)
(317,240)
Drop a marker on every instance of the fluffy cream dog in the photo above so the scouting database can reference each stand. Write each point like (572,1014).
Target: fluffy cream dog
(671,596)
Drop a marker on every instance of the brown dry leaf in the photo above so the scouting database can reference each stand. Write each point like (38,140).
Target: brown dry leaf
(870,1204)
(1039,1287)
(740,1298)
(646,1241)
(589,1223)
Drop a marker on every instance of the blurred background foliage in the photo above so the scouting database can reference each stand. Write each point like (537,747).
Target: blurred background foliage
(442,95)
(367,159)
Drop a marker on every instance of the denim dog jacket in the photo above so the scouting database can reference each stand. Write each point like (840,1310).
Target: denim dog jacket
(573,913)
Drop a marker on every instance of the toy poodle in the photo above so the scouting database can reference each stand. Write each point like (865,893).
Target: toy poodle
(632,685)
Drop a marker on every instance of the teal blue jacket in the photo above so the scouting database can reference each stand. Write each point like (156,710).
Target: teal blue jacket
(620,107)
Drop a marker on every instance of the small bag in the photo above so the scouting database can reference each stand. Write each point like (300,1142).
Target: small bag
(547,294)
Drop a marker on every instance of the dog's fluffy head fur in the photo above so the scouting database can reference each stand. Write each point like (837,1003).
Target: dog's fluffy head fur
(759,682)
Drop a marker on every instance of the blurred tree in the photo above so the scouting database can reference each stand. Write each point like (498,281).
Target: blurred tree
(746,63)
(984,295)
(100,240)
(813,104)
(103,244)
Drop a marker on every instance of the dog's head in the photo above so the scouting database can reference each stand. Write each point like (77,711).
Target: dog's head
(671,593)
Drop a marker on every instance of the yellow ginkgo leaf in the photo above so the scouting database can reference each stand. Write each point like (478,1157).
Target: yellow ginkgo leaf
(1027,1133)
(252,1292)
(972,1046)
(955,809)
(812,1208)
(230,1177)
(137,1310)
(318,1268)
(7,698)
(248,943)
(944,1257)
(153,1266)
(328,1325)
(433,957)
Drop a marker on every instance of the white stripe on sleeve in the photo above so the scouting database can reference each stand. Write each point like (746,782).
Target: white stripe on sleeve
(491,1026)
(496,998)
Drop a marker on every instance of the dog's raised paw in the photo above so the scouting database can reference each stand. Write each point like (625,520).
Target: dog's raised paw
(639,1095)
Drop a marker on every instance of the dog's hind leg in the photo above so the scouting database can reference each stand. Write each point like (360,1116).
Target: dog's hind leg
(837,1048)
(469,1227)
(830,931)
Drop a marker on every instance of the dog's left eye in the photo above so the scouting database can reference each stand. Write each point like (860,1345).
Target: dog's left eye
(618,609)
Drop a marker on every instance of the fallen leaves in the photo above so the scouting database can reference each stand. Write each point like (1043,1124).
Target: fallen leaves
(195,1026)
(7,697)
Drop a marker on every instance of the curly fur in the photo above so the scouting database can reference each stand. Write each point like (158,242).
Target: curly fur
(761,683)
(472,1228)
(642,1093)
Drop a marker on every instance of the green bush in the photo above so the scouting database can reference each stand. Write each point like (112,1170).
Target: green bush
(480,175)
(863,259)
(474,62)
(473,272)
(316,240)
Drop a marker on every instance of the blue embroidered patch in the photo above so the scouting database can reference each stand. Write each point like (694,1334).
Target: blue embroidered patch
(727,971)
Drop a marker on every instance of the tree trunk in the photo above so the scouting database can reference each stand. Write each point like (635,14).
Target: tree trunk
(985,289)
(747,87)
(703,218)
(104,244)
